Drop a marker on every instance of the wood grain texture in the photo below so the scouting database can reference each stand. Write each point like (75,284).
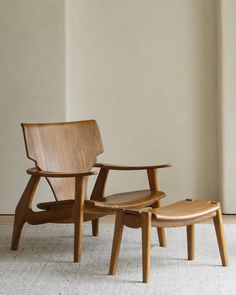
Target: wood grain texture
(70,147)
(118,230)
(64,154)
(185,210)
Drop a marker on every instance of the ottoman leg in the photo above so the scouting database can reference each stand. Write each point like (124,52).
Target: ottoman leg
(95,227)
(190,241)
(220,237)
(160,230)
(161,236)
(146,244)
(154,187)
(119,225)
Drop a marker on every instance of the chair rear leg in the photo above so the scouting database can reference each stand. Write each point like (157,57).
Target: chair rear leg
(220,237)
(95,227)
(190,241)
(17,228)
(118,230)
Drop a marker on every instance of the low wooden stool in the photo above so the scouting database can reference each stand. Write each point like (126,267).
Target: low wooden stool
(183,213)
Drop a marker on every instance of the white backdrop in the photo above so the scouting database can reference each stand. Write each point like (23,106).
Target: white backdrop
(145,70)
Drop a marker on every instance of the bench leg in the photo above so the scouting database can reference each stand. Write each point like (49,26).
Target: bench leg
(220,237)
(95,227)
(146,244)
(190,241)
(118,230)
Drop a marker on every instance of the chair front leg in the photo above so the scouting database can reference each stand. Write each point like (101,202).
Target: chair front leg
(118,230)
(22,209)
(146,244)
(80,191)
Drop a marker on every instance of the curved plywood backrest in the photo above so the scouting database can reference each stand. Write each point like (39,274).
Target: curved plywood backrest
(63,147)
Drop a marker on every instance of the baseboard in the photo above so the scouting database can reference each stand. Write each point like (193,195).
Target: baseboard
(6,219)
(9,219)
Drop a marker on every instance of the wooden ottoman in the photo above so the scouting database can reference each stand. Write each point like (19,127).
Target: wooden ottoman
(183,213)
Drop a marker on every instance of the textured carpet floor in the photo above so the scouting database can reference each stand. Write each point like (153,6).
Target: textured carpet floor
(43,264)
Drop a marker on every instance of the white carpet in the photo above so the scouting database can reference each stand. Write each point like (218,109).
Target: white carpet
(43,264)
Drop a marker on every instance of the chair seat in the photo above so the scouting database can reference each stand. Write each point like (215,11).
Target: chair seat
(184,210)
(134,199)
(55,204)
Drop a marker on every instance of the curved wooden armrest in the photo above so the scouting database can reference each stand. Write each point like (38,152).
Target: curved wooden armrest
(117,167)
(41,173)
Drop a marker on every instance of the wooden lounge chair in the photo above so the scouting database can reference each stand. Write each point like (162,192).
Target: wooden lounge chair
(64,154)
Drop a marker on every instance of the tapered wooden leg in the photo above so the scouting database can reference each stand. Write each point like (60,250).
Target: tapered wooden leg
(220,237)
(80,191)
(154,187)
(161,236)
(146,244)
(17,228)
(190,241)
(78,240)
(95,227)
(118,230)
(160,230)
(22,209)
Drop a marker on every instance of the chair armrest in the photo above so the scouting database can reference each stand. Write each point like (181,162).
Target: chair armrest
(41,173)
(118,167)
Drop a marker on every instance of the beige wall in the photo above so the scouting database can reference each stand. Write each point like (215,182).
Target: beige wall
(227,99)
(146,70)
(32,83)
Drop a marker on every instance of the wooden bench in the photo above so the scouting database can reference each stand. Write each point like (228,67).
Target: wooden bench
(183,213)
